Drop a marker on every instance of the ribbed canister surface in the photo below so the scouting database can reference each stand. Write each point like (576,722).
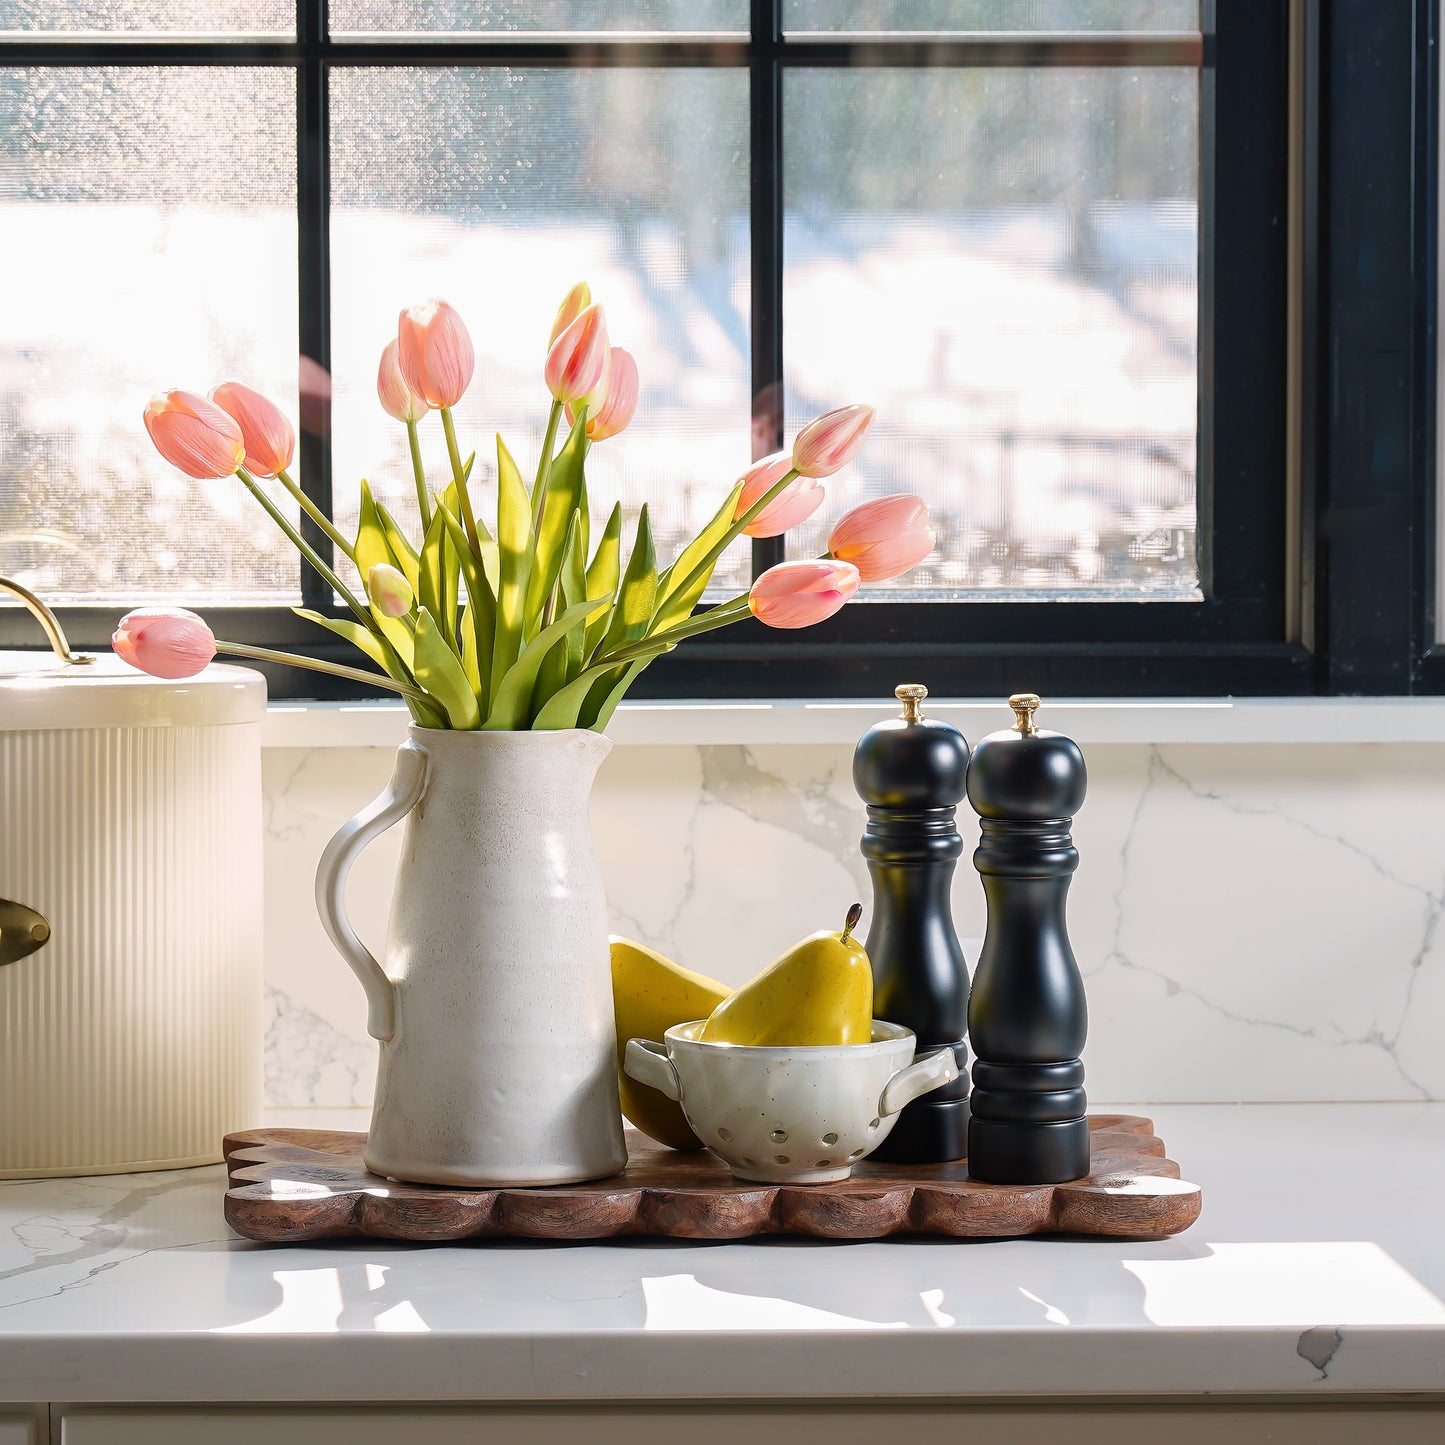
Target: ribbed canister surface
(132,1038)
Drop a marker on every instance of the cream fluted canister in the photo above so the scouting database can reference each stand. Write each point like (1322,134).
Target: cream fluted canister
(130,821)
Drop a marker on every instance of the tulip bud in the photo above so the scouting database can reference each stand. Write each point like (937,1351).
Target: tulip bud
(883,539)
(269,438)
(434,353)
(574,303)
(164,641)
(795,503)
(610,408)
(829,442)
(194,434)
(396,397)
(576,361)
(798,594)
(389,590)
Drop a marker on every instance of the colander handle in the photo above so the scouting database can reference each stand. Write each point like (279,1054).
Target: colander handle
(647,1062)
(932,1071)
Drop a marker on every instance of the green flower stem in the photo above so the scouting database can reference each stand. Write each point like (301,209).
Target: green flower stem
(317,515)
(469,520)
(305,548)
(419,472)
(337,669)
(544,467)
(704,568)
(723,615)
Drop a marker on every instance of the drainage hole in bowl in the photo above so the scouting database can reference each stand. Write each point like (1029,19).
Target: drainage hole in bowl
(780,1158)
(726,1135)
(856,1154)
(779,1136)
(823,1164)
(872,1125)
(830,1138)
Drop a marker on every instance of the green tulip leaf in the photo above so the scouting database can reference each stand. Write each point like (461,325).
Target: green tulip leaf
(440,674)
(371,543)
(471,658)
(638,593)
(440,572)
(602,577)
(357,635)
(560,503)
(514,544)
(677,600)
(403,554)
(564,661)
(479,620)
(602,713)
(513,704)
(564,709)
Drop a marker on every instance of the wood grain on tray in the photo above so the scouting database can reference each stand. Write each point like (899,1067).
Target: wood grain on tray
(291,1185)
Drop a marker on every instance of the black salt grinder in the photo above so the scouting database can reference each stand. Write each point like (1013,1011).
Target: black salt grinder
(1026,1016)
(912,772)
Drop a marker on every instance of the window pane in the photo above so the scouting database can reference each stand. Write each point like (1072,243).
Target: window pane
(436,19)
(497,189)
(175,19)
(989,15)
(151,213)
(1011,278)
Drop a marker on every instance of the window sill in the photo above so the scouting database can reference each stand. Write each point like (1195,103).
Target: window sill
(822,722)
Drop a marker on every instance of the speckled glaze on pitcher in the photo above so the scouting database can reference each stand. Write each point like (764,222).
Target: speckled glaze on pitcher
(494,1005)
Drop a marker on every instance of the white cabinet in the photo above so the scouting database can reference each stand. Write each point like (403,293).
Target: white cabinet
(20,1427)
(718,1423)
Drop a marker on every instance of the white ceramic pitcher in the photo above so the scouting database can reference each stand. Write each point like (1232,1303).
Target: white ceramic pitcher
(494,1004)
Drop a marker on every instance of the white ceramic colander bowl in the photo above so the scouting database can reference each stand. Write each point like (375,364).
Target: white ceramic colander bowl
(794,1115)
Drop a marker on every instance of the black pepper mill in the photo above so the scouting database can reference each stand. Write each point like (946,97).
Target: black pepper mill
(912,773)
(1027,1018)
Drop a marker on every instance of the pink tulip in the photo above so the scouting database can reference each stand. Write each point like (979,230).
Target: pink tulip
(574,303)
(795,503)
(578,358)
(434,352)
(883,539)
(396,397)
(828,443)
(614,408)
(269,438)
(164,641)
(194,434)
(389,590)
(798,594)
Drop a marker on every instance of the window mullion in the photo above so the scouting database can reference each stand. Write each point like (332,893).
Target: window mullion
(765,100)
(314,282)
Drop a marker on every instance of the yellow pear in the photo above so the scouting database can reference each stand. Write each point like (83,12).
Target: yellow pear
(819,992)
(650,993)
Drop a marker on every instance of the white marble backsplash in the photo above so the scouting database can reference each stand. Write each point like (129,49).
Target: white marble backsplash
(1254,922)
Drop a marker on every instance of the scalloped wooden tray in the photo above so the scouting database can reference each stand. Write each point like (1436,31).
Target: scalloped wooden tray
(291,1185)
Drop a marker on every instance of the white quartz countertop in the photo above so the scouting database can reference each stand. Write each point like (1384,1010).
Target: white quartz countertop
(1317,1267)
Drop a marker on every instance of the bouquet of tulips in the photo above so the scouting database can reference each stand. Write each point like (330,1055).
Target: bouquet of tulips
(527,624)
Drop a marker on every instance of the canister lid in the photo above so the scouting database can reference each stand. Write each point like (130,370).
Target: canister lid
(1025,771)
(911,761)
(38,691)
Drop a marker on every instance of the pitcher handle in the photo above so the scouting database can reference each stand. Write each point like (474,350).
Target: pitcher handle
(647,1062)
(932,1071)
(408,779)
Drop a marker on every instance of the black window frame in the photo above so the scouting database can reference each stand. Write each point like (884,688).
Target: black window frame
(1317,365)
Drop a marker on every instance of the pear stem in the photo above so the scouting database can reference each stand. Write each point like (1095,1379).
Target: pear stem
(851,922)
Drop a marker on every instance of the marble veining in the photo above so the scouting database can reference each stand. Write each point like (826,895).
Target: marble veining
(130,1288)
(1255,922)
